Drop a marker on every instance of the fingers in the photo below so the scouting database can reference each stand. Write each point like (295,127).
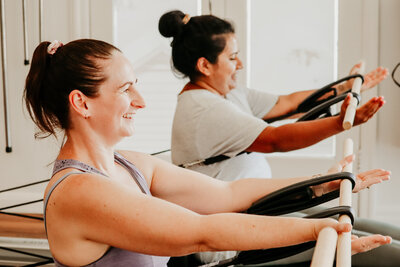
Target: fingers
(374,77)
(338,167)
(347,160)
(368,110)
(369,178)
(367,243)
(356,68)
(345,104)
(343,227)
(320,224)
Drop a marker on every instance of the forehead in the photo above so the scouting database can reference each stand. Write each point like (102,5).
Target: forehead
(231,45)
(118,68)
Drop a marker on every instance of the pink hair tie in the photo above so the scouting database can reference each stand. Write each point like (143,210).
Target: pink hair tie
(186,19)
(52,48)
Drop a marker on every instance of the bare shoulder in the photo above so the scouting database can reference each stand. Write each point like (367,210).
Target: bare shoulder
(75,184)
(144,162)
(134,156)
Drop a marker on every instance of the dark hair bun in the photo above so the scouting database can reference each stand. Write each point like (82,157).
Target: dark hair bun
(170,24)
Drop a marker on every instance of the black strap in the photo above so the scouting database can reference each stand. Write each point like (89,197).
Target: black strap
(292,198)
(323,110)
(339,210)
(267,255)
(298,196)
(312,100)
(211,160)
(393,72)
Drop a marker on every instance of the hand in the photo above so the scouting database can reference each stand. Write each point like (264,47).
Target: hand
(329,222)
(366,243)
(339,166)
(363,179)
(371,177)
(363,113)
(371,79)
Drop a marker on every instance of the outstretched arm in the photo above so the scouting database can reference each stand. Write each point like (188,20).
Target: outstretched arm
(117,215)
(290,102)
(298,135)
(206,195)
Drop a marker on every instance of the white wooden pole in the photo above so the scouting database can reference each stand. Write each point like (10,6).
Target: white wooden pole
(343,256)
(351,109)
(324,252)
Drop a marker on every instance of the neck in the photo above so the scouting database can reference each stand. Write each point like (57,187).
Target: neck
(199,85)
(90,149)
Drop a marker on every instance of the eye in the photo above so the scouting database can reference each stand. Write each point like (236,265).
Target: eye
(234,56)
(126,88)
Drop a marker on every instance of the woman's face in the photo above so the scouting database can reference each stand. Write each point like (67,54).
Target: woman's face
(223,73)
(113,111)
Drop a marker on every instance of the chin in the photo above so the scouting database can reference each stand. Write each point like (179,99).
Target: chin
(128,133)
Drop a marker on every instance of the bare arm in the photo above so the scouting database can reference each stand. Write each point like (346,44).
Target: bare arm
(110,213)
(201,193)
(303,134)
(290,102)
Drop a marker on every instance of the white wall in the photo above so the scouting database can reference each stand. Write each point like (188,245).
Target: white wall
(388,127)
(31,159)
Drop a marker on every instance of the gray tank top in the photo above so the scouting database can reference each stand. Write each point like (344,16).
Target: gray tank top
(113,256)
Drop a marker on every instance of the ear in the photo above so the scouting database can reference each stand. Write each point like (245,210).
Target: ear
(204,66)
(78,101)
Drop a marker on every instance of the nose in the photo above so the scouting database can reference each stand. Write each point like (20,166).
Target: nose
(239,64)
(138,101)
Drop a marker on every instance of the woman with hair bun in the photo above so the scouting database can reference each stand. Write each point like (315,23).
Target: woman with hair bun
(218,127)
(215,117)
(104,207)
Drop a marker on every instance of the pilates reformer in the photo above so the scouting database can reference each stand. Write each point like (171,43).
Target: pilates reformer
(325,249)
(300,196)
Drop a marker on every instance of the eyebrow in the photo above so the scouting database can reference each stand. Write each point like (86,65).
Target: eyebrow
(130,82)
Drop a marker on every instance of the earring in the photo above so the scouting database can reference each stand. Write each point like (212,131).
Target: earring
(86,116)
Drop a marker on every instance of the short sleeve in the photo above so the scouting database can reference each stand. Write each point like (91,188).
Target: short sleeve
(226,129)
(260,102)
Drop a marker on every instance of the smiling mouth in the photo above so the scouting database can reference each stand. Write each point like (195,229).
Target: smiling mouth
(128,116)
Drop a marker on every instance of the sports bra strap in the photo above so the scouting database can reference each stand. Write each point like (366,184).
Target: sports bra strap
(46,199)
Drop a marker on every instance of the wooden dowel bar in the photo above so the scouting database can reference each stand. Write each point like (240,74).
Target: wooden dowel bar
(324,252)
(343,256)
(351,109)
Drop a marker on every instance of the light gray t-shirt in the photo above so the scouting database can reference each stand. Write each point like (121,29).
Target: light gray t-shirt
(207,125)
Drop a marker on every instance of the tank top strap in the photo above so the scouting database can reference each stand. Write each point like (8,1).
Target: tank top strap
(60,165)
(133,170)
(46,198)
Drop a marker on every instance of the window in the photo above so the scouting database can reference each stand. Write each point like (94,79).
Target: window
(293,46)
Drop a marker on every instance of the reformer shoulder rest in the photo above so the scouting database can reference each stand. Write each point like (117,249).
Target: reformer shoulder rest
(313,100)
(295,197)
(298,196)
(267,255)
